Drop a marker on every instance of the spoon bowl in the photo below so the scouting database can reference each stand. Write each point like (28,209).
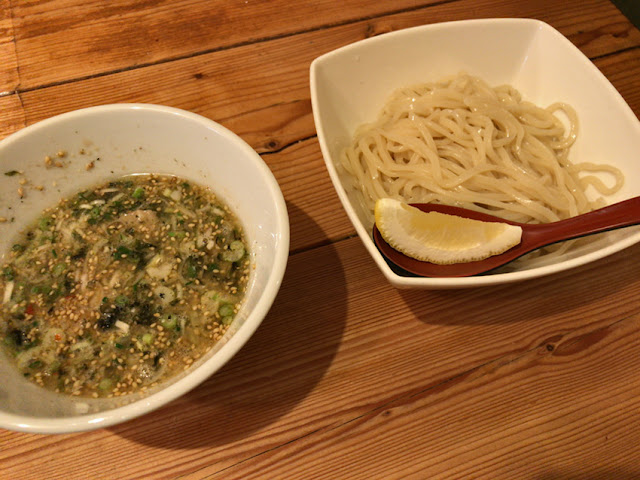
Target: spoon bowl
(534,236)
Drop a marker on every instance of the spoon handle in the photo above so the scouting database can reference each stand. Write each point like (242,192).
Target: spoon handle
(622,214)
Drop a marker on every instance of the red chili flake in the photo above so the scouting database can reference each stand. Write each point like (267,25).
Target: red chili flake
(31,309)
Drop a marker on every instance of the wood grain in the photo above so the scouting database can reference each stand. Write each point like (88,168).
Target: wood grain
(343,360)
(9,71)
(347,377)
(508,420)
(12,115)
(272,111)
(56,43)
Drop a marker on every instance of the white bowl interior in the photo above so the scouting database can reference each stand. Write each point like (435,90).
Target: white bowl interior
(350,85)
(125,139)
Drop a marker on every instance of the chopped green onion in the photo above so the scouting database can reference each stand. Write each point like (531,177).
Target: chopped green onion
(105,384)
(235,252)
(191,269)
(54,366)
(147,338)
(59,269)
(121,252)
(35,364)
(11,173)
(225,310)
(94,213)
(138,193)
(8,273)
(169,321)
(44,223)
(121,300)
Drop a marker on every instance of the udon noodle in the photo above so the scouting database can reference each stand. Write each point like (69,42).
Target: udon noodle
(461,142)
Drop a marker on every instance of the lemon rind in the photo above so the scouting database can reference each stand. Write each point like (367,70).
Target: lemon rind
(437,239)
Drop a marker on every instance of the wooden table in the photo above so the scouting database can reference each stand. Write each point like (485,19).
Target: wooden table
(347,378)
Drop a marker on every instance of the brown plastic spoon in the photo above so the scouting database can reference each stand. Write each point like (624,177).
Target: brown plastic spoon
(534,236)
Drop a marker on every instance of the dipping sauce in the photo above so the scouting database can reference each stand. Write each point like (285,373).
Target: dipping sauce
(122,286)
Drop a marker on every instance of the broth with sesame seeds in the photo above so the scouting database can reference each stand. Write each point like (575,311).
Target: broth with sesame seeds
(122,286)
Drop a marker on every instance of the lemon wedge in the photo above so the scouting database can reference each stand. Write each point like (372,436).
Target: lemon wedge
(440,238)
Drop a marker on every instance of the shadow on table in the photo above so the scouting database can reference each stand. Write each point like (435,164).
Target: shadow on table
(527,300)
(282,362)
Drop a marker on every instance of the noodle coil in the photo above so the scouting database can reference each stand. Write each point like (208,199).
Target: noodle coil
(461,142)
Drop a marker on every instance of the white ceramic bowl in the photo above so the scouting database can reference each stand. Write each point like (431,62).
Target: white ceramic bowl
(135,138)
(350,85)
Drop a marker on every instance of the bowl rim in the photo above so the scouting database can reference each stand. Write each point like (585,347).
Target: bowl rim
(144,405)
(400,281)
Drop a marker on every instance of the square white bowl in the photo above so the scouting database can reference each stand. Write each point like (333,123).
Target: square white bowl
(350,85)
